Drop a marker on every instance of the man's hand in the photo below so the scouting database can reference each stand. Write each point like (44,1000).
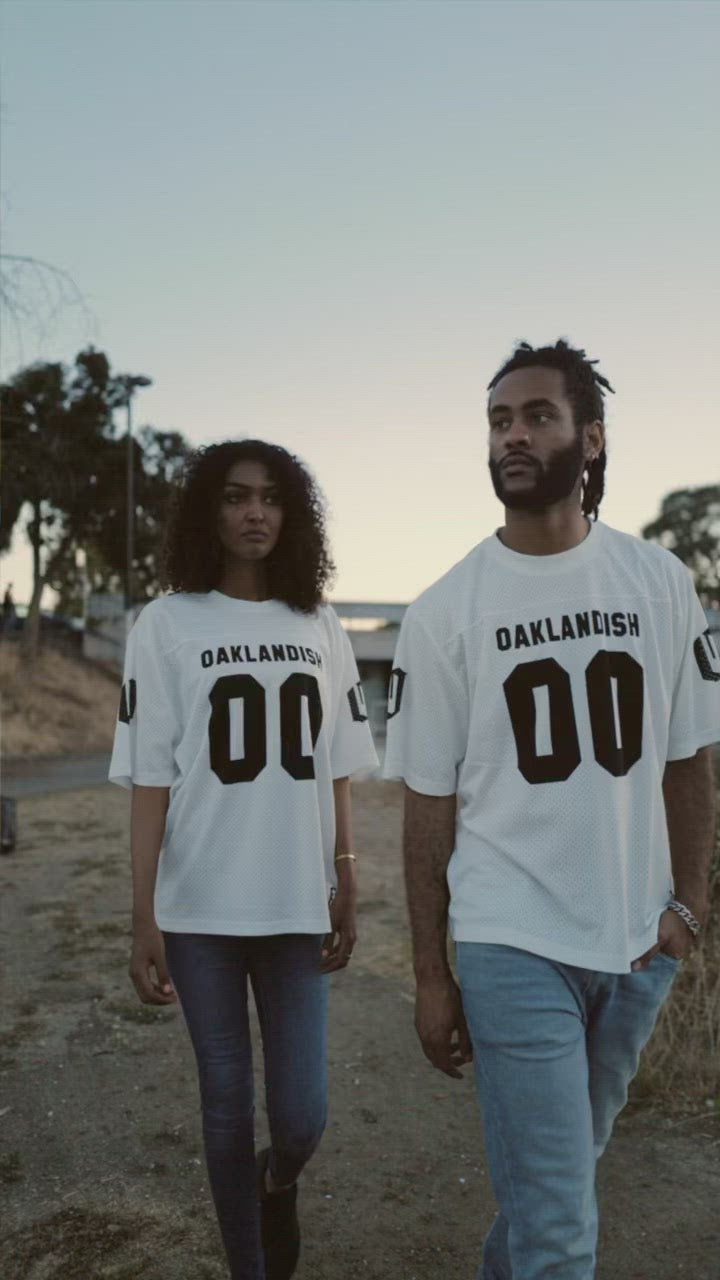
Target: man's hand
(148,954)
(338,944)
(441,1026)
(674,938)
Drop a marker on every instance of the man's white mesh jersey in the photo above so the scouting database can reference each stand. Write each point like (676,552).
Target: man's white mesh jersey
(247,711)
(549,692)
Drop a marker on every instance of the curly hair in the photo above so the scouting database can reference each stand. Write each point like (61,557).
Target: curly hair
(585,389)
(299,566)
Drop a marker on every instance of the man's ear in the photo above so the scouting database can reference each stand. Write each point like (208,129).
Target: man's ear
(593,439)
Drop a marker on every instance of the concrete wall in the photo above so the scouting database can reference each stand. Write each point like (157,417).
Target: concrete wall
(106,628)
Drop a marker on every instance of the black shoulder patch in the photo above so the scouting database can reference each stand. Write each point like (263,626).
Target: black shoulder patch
(706,656)
(356,698)
(128,702)
(395,691)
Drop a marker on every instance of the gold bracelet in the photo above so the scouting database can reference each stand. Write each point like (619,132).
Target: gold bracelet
(351,856)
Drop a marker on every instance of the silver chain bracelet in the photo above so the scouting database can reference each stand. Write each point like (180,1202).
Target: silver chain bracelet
(685,915)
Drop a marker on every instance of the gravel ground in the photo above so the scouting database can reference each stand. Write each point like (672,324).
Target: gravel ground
(100,1153)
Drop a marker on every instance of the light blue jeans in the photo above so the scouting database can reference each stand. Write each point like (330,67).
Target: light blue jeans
(555,1048)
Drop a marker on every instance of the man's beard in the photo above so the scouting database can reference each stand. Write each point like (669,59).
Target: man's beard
(554,481)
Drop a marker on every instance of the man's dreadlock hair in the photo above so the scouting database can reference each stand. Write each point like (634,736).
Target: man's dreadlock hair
(585,389)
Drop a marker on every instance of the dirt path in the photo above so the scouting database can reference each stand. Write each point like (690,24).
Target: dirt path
(59,773)
(100,1156)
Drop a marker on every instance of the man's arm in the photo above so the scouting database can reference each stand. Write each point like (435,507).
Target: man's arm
(428,840)
(689,794)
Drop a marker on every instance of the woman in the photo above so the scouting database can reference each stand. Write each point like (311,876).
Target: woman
(240,722)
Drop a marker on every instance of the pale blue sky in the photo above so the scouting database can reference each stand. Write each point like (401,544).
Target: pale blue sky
(326,224)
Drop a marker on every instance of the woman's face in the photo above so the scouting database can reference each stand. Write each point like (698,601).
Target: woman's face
(250,515)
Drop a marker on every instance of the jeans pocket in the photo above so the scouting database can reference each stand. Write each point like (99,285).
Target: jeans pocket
(675,961)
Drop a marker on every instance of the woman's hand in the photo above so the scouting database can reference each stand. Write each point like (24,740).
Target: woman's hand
(338,944)
(148,954)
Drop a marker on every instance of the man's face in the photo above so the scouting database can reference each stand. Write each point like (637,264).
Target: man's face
(536,451)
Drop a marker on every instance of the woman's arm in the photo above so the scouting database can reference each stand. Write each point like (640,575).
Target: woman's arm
(338,945)
(147,827)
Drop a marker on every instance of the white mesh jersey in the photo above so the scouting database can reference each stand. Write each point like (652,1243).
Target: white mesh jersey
(247,711)
(548,692)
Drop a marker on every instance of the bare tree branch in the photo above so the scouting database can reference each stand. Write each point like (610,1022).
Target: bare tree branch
(35,293)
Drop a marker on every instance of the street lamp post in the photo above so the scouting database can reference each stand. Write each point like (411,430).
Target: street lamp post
(131,383)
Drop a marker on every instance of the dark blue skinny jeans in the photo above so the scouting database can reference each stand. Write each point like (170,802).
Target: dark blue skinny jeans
(210,974)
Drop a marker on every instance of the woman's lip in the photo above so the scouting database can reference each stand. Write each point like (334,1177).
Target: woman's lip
(255,536)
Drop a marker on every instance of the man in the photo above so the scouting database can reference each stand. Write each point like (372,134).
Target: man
(551,710)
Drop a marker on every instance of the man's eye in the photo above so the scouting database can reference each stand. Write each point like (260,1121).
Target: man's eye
(499,424)
(272,499)
(542,417)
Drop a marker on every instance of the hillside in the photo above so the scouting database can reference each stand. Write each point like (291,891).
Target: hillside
(62,706)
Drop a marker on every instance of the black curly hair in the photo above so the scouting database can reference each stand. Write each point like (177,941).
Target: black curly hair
(299,566)
(585,389)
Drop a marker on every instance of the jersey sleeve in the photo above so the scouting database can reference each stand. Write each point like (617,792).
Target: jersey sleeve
(351,746)
(147,730)
(695,714)
(427,714)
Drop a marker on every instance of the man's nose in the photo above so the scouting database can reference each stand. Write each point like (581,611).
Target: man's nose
(517,435)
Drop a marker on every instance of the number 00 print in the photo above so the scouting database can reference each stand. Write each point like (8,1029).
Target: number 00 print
(614,688)
(251,694)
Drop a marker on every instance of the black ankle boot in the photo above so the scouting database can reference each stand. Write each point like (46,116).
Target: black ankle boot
(279,1227)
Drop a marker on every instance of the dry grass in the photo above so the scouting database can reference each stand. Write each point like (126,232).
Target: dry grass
(681,1064)
(59,706)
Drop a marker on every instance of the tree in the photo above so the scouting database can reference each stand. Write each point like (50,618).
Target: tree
(158,459)
(34,295)
(689,525)
(52,424)
(65,459)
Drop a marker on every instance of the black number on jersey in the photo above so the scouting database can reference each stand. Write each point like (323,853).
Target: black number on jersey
(520,689)
(617,739)
(295,688)
(254,758)
(706,656)
(128,702)
(615,691)
(250,692)
(395,691)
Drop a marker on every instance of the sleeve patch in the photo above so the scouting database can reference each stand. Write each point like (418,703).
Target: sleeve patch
(395,691)
(128,702)
(706,656)
(356,698)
